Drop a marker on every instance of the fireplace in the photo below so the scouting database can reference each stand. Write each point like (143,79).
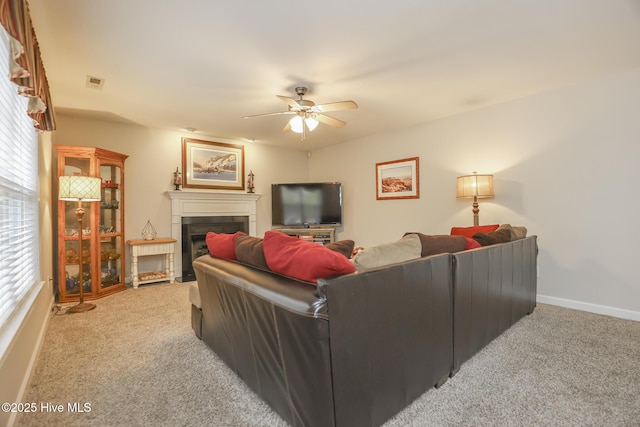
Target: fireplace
(194,233)
(196,204)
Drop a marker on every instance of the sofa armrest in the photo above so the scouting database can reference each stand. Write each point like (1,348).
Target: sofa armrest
(391,337)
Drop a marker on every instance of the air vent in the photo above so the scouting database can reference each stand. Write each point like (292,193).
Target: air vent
(95,82)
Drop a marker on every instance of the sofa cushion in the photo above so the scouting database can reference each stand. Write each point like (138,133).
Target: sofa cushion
(471,244)
(222,245)
(517,232)
(302,259)
(405,249)
(470,231)
(345,247)
(439,244)
(493,237)
(250,250)
(194,295)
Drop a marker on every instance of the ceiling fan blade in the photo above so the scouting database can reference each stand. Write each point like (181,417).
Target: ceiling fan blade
(287,127)
(270,114)
(290,101)
(336,106)
(329,121)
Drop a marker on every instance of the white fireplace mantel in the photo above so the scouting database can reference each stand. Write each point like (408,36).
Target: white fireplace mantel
(188,203)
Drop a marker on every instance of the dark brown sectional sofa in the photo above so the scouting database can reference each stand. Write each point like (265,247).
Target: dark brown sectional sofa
(355,349)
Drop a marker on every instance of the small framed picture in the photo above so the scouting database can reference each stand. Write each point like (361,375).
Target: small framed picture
(398,179)
(214,165)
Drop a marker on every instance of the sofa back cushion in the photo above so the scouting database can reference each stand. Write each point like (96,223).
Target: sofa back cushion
(405,249)
(517,232)
(436,244)
(302,259)
(493,237)
(345,247)
(250,250)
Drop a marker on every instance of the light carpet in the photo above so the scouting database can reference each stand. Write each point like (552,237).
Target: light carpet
(136,362)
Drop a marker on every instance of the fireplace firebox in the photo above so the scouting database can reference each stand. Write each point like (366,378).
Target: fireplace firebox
(194,233)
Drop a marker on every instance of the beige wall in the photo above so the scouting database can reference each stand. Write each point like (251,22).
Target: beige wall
(153,156)
(565,165)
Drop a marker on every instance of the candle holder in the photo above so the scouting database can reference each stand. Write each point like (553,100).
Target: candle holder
(177,179)
(250,185)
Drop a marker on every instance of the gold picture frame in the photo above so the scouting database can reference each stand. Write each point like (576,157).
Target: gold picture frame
(212,165)
(398,179)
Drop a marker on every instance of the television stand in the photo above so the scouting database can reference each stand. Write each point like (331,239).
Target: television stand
(322,235)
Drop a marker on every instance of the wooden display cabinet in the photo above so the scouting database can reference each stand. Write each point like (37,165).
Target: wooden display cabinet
(103,226)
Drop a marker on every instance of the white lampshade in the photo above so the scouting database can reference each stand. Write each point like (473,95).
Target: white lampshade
(311,123)
(296,124)
(74,188)
(475,185)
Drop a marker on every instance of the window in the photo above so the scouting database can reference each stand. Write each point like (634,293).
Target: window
(19,253)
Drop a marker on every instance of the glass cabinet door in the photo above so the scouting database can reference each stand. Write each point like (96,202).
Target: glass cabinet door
(73,251)
(111,259)
(72,266)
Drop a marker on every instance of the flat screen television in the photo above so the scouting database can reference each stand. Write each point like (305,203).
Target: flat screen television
(306,204)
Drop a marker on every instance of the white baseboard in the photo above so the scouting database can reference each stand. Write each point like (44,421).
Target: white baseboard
(592,308)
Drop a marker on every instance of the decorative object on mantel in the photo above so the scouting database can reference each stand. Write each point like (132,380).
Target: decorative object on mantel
(476,186)
(177,179)
(250,185)
(148,232)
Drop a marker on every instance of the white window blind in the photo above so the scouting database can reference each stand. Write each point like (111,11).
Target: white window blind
(19,253)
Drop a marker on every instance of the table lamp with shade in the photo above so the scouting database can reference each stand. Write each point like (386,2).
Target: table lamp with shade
(476,186)
(76,188)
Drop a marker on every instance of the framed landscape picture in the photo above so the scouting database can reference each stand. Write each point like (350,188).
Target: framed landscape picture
(214,165)
(398,179)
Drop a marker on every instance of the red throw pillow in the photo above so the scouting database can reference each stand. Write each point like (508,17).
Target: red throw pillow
(222,245)
(470,231)
(471,244)
(302,259)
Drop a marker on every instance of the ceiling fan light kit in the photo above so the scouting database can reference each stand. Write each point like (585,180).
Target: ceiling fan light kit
(297,123)
(307,114)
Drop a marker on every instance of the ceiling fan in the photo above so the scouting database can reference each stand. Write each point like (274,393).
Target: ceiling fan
(307,114)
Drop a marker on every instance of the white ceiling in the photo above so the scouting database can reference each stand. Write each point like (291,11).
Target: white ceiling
(206,63)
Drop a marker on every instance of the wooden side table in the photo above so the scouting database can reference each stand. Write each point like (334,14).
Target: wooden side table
(161,246)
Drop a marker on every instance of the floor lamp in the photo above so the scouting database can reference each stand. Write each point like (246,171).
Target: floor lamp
(80,189)
(476,186)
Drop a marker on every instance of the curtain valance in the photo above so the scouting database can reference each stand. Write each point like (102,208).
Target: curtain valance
(26,68)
